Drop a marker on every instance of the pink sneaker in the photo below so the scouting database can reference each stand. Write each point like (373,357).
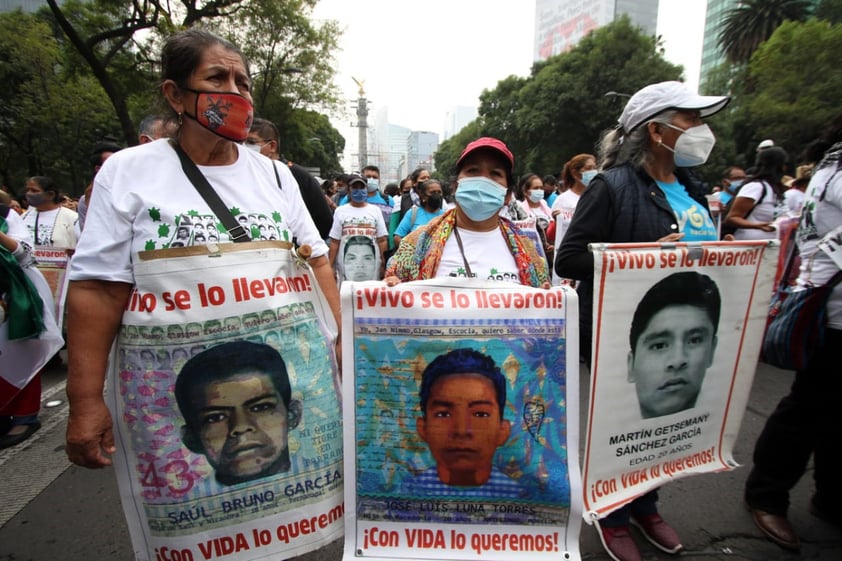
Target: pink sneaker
(618,543)
(659,533)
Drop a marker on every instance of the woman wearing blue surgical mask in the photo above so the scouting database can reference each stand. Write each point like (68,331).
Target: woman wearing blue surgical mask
(530,197)
(643,193)
(472,239)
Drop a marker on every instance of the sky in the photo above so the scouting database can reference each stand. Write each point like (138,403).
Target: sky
(421,59)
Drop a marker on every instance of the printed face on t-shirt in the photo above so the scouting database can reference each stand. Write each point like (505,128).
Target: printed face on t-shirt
(360,263)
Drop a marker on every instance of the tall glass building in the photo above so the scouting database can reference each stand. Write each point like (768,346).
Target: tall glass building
(561,24)
(714,18)
(25,5)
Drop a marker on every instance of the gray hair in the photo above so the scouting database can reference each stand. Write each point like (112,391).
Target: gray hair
(616,147)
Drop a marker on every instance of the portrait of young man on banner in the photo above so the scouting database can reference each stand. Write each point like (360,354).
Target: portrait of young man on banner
(671,405)
(460,420)
(672,342)
(474,435)
(237,407)
(463,398)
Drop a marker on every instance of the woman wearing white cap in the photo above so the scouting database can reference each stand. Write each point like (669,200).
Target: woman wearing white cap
(642,194)
(472,239)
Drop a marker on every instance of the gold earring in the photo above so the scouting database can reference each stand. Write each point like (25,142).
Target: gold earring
(180,122)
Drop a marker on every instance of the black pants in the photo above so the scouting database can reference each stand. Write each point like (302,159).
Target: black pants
(807,421)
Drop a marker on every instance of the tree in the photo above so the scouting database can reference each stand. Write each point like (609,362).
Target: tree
(293,68)
(448,151)
(47,114)
(798,80)
(100,32)
(565,109)
(562,108)
(107,36)
(752,22)
(830,11)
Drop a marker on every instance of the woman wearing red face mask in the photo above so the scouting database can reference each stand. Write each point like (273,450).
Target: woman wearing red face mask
(145,201)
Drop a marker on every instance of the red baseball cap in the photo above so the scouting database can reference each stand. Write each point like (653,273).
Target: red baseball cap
(488,142)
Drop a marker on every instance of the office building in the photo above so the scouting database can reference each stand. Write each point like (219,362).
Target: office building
(561,24)
(712,56)
(25,5)
(457,118)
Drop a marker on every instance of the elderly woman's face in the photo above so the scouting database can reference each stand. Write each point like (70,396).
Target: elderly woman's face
(221,70)
(682,120)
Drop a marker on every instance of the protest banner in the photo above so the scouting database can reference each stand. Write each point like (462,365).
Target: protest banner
(677,333)
(225,393)
(487,467)
(52,262)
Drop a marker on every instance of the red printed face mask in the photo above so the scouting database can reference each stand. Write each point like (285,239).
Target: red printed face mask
(227,114)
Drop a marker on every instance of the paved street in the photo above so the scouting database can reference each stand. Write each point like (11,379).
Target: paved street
(52,511)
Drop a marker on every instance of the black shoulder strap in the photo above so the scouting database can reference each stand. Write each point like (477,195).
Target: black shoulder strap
(235,230)
(760,200)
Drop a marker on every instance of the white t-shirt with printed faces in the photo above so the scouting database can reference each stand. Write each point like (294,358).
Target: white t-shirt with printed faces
(46,224)
(488,255)
(358,229)
(40,225)
(144,201)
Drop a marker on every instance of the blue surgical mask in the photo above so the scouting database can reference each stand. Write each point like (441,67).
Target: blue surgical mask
(479,197)
(587,176)
(735,184)
(359,195)
(536,195)
(372,185)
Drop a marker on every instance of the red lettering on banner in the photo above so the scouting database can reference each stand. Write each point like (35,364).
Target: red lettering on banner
(180,300)
(287,532)
(514,542)
(384,298)
(435,300)
(603,488)
(141,302)
(226,545)
(631,260)
(245,289)
(425,539)
(672,467)
(506,300)
(729,258)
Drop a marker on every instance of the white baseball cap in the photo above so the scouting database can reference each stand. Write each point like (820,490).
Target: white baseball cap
(654,99)
(768,143)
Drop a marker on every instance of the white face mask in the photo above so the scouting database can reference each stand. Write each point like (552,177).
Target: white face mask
(693,146)
(254,147)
